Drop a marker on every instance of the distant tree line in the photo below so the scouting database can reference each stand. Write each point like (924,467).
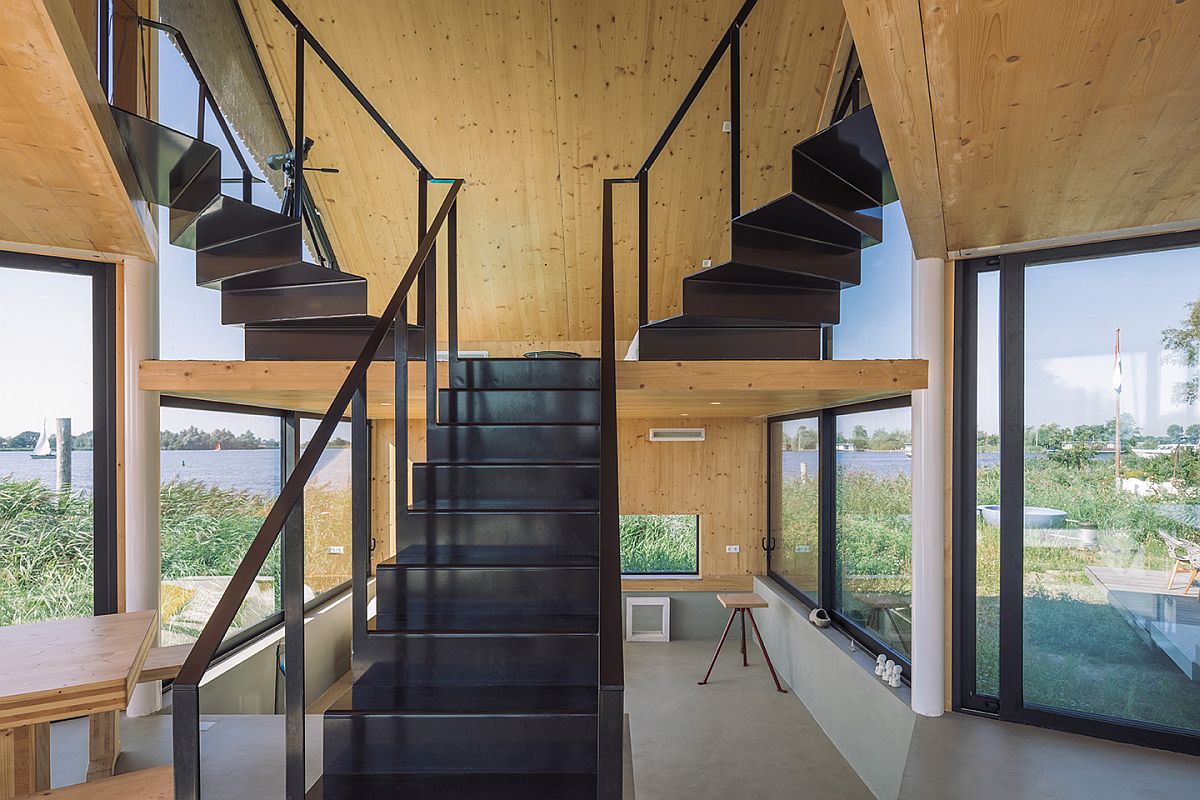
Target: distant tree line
(192,438)
(25,440)
(880,439)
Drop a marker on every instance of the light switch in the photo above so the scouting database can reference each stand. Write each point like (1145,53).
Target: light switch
(733,548)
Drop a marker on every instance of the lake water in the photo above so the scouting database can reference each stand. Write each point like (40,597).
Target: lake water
(881,464)
(248,470)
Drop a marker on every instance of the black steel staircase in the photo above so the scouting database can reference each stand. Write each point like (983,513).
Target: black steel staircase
(290,308)
(790,258)
(479,677)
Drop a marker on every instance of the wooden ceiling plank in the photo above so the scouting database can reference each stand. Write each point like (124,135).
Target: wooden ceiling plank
(890,41)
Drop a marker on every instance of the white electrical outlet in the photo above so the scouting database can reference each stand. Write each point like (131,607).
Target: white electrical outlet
(803,548)
(337,550)
(706,263)
(733,548)
(726,127)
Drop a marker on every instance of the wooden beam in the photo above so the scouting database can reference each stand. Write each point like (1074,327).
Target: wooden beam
(66,185)
(891,48)
(645,388)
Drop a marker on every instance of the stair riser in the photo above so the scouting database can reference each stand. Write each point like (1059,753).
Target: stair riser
(496,660)
(323,344)
(502,593)
(229,220)
(830,190)
(166,161)
(577,532)
(264,251)
(797,215)
(828,267)
(853,150)
(529,373)
(294,302)
(192,200)
(711,299)
(513,744)
(513,443)
(530,487)
(742,344)
(518,407)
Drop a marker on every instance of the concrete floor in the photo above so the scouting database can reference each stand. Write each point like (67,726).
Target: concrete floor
(733,738)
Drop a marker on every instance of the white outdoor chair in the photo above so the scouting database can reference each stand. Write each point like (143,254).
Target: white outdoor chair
(1186,557)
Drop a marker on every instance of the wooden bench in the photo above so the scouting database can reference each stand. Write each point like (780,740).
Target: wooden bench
(144,784)
(164,663)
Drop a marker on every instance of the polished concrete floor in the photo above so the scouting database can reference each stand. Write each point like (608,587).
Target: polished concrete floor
(732,739)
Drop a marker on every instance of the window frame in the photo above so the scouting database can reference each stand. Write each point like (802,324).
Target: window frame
(105,479)
(287,462)
(1010,704)
(827,521)
(673,575)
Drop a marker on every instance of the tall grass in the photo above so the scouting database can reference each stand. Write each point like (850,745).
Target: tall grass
(659,544)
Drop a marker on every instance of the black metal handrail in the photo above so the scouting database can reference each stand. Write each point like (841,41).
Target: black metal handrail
(731,43)
(206,96)
(304,33)
(186,686)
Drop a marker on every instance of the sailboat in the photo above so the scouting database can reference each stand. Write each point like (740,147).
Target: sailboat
(42,448)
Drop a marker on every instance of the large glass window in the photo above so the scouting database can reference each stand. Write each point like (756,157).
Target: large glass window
(1078,489)
(877,313)
(57,510)
(660,544)
(220,475)
(873,561)
(795,504)
(327,513)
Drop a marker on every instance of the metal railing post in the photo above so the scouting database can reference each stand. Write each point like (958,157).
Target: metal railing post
(360,505)
(185,736)
(735,121)
(452,285)
(643,180)
(293,623)
(298,145)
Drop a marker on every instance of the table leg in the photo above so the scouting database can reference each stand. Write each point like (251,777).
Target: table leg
(104,744)
(763,646)
(719,646)
(24,760)
(745,661)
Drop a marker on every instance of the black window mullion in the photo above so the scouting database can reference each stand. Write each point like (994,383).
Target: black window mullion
(1012,484)
(827,509)
(105,599)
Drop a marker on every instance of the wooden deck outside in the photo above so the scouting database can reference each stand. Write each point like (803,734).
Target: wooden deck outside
(1169,620)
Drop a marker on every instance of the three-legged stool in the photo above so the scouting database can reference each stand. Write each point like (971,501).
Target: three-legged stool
(742,604)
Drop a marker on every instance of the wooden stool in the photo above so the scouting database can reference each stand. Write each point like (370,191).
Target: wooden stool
(742,604)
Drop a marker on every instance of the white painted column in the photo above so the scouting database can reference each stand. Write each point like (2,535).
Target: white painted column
(143,561)
(929,490)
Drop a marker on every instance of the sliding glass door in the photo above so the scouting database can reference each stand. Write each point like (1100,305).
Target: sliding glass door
(1080,367)
(57,464)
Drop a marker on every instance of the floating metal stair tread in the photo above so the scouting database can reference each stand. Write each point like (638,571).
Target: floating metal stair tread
(302,273)
(166,161)
(465,700)
(796,216)
(460,786)
(685,322)
(853,149)
(750,274)
(227,220)
(444,622)
(500,556)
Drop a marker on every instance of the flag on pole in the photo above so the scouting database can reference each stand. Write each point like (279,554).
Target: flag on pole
(1116,379)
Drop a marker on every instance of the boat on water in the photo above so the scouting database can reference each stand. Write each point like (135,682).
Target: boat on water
(42,448)
(1162,450)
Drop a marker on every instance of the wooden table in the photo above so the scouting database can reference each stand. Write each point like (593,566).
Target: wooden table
(743,604)
(59,670)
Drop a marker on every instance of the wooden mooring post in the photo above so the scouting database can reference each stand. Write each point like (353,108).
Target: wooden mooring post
(62,433)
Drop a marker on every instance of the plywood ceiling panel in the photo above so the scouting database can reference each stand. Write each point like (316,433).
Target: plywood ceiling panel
(1021,123)
(66,186)
(534,103)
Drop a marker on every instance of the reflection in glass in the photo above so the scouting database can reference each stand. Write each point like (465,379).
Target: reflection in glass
(987,485)
(328,513)
(1111,472)
(46,502)
(217,487)
(873,573)
(795,516)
